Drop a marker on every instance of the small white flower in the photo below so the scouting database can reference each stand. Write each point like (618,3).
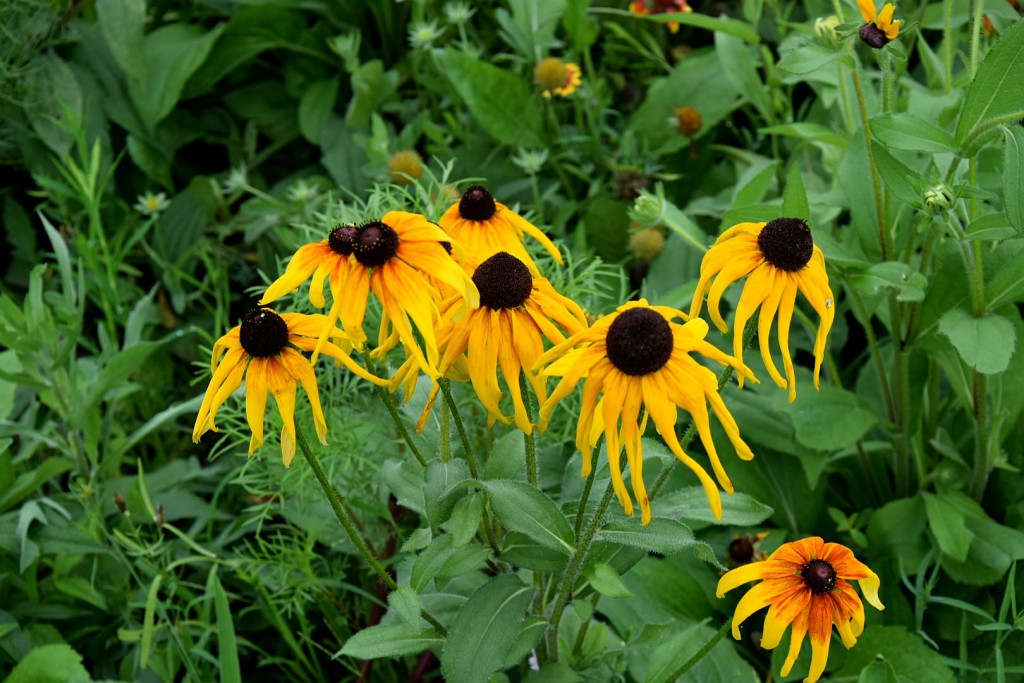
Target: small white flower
(302,191)
(423,34)
(458,13)
(530,160)
(151,204)
(236,180)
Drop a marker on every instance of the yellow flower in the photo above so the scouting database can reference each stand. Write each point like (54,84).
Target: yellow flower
(392,257)
(880,28)
(260,349)
(484,227)
(637,358)
(780,257)
(641,8)
(516,311)
(806,584)
(556,77)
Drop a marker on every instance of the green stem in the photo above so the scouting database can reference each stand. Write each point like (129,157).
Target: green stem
(572,572)
(901,382)
(530,440)
(467,447)
(887,80)
(585,627)
(389,400)
(876,352)
(948,44)
(334,498)
(876,179)
(584,499)
(692,661)
(446,436)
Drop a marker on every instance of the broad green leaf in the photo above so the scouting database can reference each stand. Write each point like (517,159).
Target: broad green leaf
(753,183)
(994,549)
(56,95)
(506,459)
(485,630)
(986,344)
(1013,177)
(499,100)
(903,182)
(812,132)
(519,551)
(227,645)
(56,663)
(316,106)
(115,375)
(463,560)
(430,561)
(607,581)
(406,603)
(30,481)
(172,53)
(741,68)
(721,24)
(180,227)
(830,419)
(794,197)
(995,95)
(947,523)
(377,642)
(691,504)
(439,490)
(909,656)
(663,536)
(906,131)
(908,284)
(722,664)
(1007,284)
(808,58)
(371,87)
(994,226)
(523,508)
(530,633)
(123,23)
(465,519)
(581,28)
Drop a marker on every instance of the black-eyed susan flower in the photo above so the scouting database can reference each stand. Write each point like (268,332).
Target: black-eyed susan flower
(392,257)
(556,77)
(637,358)
(779,257)
(880,27)
(517,311)
(485,226)
(263,351)
(641,8)
(806,584)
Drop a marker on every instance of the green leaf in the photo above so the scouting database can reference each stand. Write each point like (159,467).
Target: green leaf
(878,671)
(519,551)
(741,68)
(430,561)
(465,519)
(530,633)
(992,97)
(57,663)
(753,183)
(506,458)
(896,276)
(607,581)
(794,198)
(406,603)
(808,58)
(691,504)
(721,24)
(180,227)
(722,664)
(1007,284)
(316,106)
(371,86)
(438,492)
(227,645)
(903,182)
(663,536)
(812,132)
(418,540)
(906,131)
(831,419)
(377,642)
(523,508)
(993,226)
(123,23)
(1013,177)
(993,551)
(986,344)
(913,661)
(947,523)
(499,100)
(171,54)
(485,630)
(31,481)
(56,95)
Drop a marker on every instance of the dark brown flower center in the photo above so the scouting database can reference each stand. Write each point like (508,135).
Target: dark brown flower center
(503,281)
(340,239)
(873,36)
(639,341)
(263,333)
(477,204)
(786,243)
(374,243)
(819,576)
(741,551)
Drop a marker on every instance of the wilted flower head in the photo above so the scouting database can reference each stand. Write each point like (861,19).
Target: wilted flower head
(689,119)
(458,13)
(423,34)
(405,166)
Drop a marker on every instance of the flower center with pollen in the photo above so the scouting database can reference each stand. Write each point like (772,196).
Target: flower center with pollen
(503,281)
(340,239)
(374,243)
(819,576)
(477,204)
(786,244)
(639,341)
(263,333)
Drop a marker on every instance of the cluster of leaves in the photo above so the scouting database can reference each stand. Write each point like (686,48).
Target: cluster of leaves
(124,546)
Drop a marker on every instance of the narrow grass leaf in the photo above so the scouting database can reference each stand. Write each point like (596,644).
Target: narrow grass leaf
(227,644)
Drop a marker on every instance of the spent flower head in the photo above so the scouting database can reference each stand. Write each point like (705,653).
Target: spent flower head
(301,191)
(531,161)
(458,13)
(151,204)
(422,34)
(237,179)
(346,46)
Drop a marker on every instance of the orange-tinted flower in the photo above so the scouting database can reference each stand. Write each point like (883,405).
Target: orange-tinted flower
(806,584)
(641,8)
(556,77)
